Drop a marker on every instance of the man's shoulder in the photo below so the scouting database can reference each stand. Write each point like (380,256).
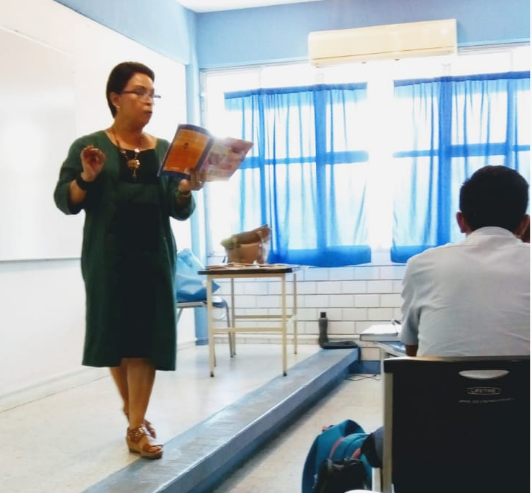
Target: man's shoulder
(461,255)
(491,243)
(434,253)
(434,261)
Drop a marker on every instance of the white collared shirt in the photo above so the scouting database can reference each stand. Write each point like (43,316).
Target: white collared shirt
(470,298)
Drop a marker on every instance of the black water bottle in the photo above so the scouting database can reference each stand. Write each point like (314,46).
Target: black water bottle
(323,321)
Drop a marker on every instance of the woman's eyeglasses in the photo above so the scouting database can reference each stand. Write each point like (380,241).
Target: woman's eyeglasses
(143,94)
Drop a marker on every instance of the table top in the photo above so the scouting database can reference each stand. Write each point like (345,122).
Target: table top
(255,269)
(396,348)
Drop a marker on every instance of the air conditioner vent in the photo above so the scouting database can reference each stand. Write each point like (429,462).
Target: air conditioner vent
(391,41)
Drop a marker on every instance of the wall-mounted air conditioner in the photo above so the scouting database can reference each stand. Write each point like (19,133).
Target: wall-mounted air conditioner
(391,41)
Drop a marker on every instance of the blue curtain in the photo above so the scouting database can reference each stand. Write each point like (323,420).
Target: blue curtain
(446,129)
(306,174)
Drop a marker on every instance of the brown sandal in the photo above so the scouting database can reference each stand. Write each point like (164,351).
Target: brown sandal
(147,424)
(139,441)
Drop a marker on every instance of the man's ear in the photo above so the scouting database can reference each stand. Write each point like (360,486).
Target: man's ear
(462,223)
(523,227)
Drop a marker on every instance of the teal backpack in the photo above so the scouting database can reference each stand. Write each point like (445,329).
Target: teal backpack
(335,461)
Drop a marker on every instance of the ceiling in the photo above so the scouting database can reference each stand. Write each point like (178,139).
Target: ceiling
(214,5)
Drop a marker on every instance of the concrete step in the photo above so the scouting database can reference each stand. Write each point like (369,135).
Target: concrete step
(197,460)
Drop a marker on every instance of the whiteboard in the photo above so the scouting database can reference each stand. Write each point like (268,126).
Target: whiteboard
(37,126)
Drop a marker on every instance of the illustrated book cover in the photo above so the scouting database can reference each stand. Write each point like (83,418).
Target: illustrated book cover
(194,147)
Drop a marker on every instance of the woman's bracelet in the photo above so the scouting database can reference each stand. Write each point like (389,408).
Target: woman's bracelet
(84,185)
(185,195)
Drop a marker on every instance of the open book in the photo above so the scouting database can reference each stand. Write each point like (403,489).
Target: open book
(194,147)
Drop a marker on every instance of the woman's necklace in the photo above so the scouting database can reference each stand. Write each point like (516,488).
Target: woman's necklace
(134,163)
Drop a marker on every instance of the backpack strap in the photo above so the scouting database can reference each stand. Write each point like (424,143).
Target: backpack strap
(355,440)
(335,446)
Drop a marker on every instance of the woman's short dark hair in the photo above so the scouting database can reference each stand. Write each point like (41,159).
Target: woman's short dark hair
(120,76)
(494,196)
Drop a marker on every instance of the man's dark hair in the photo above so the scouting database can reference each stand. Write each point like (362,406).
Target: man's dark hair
(494,196)
(119,77)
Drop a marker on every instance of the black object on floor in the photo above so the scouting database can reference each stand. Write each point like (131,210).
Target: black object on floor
(323,340)
(339,345)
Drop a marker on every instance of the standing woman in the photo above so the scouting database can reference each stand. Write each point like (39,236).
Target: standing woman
(128,252)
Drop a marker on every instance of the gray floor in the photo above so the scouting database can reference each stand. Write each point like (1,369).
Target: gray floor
(278,468)
(73,439)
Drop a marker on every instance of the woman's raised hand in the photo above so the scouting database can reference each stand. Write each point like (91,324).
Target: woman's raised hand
(195,182)
(92,160)
(197,179)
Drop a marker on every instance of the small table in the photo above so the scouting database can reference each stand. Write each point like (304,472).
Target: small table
(258,272)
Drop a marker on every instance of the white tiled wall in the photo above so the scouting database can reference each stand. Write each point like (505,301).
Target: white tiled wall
(353,297)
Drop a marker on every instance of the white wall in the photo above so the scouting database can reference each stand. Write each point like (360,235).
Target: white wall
(42,301)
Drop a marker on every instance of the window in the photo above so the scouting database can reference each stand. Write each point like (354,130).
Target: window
(457,125)
(380,137)
(307,168)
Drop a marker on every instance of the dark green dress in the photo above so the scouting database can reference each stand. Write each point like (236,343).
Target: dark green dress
(128,255)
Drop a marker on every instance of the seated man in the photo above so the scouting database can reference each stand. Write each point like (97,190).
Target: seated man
(472,298)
